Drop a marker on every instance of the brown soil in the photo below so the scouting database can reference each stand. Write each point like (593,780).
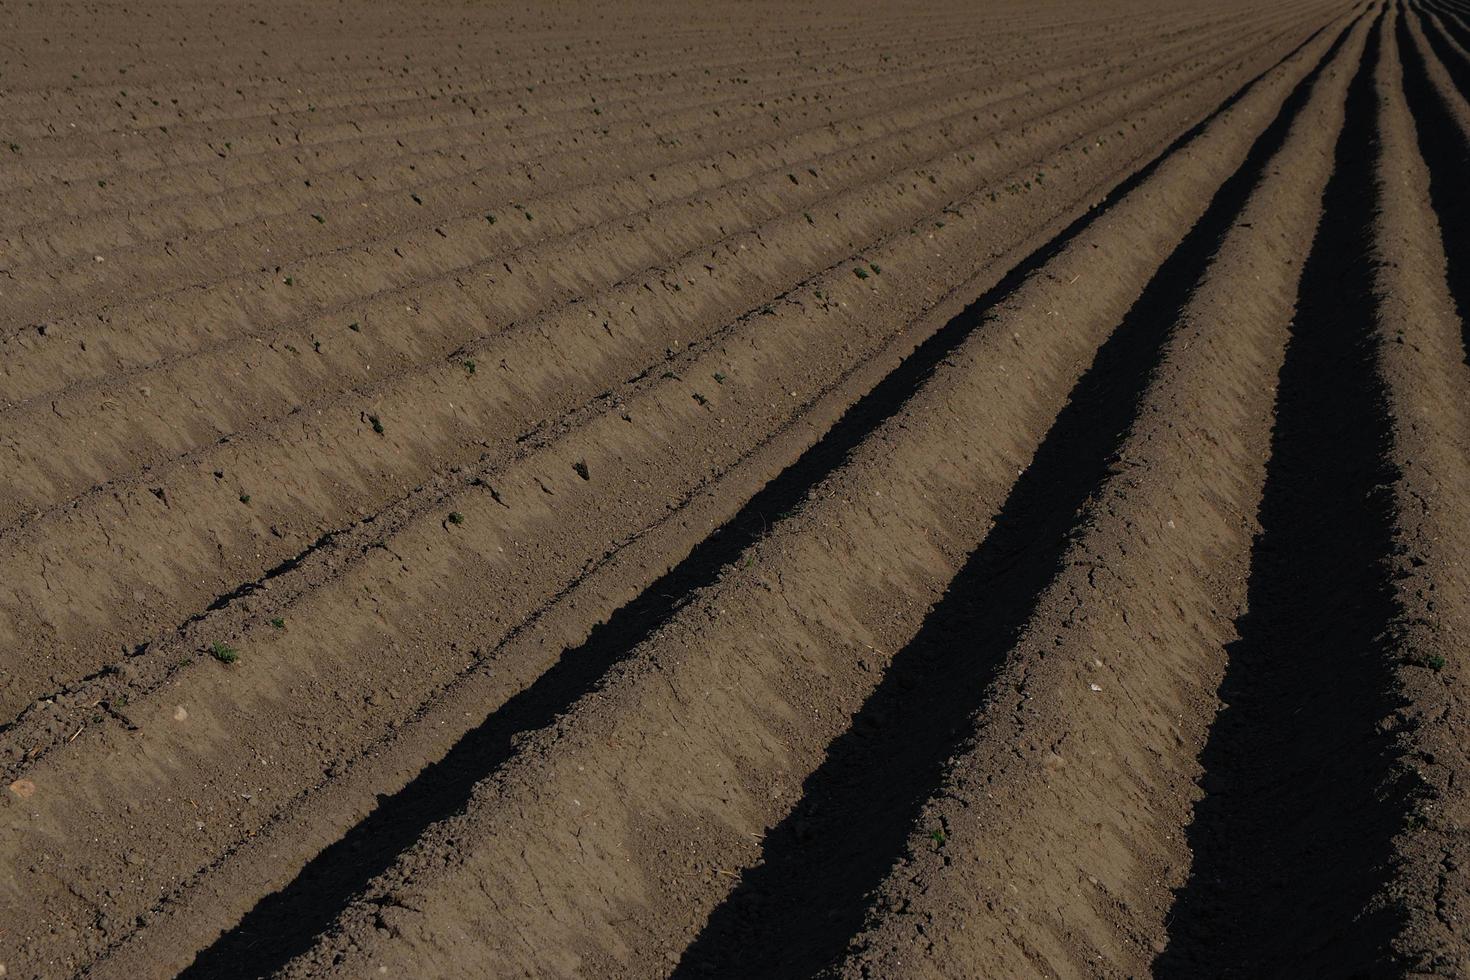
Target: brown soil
(651,490)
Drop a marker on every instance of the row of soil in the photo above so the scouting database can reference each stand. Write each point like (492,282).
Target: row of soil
(411,609)
(623,826)
(251,501)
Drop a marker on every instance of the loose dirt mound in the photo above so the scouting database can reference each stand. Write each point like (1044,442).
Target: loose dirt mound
(632,490)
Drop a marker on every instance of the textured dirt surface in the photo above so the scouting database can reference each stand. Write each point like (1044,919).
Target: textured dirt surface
(688,490)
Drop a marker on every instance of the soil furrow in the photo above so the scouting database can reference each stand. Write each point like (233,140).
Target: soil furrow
(670,184)
(229,194)
(749,108)
(340,871)
(1292,835)
(332,456)
(669,489)
(561,214)
(820,863)
(1134,624)
(1417,342)
(1442,116)
(404,577)
(728,594)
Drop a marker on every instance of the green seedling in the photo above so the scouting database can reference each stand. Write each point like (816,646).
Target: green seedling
(469,366)
(701,399)
(278,623)
(289,281)
(860,272)
(377,424)
(719,378)
(244,498)
(1434,662)
(937,835)
(222,653)
(319,219)
(455,517)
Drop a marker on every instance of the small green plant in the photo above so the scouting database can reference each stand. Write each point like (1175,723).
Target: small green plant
(701,399)
(455,517)
(377,424)
(289,281)
(937,835)
(860,272)
(1434,662)
(469,366)
(877,270)
(355,328)
(244,498)
(490,218)
(278,623)
(719,378)
(224,654)
(319,219)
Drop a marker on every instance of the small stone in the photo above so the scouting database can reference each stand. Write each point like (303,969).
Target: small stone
(180,714)
(23,788)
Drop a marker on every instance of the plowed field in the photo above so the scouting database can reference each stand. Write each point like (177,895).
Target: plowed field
(741,490)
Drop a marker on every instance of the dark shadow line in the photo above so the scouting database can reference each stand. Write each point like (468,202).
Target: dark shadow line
(284,924)
(795,912)
(1292,837)
(1446,152)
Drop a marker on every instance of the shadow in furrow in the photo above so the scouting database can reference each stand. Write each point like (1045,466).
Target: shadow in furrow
(1291,838)
(1446,151)
(1449,29)
(284,924)
(1454,20)
(795,912)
